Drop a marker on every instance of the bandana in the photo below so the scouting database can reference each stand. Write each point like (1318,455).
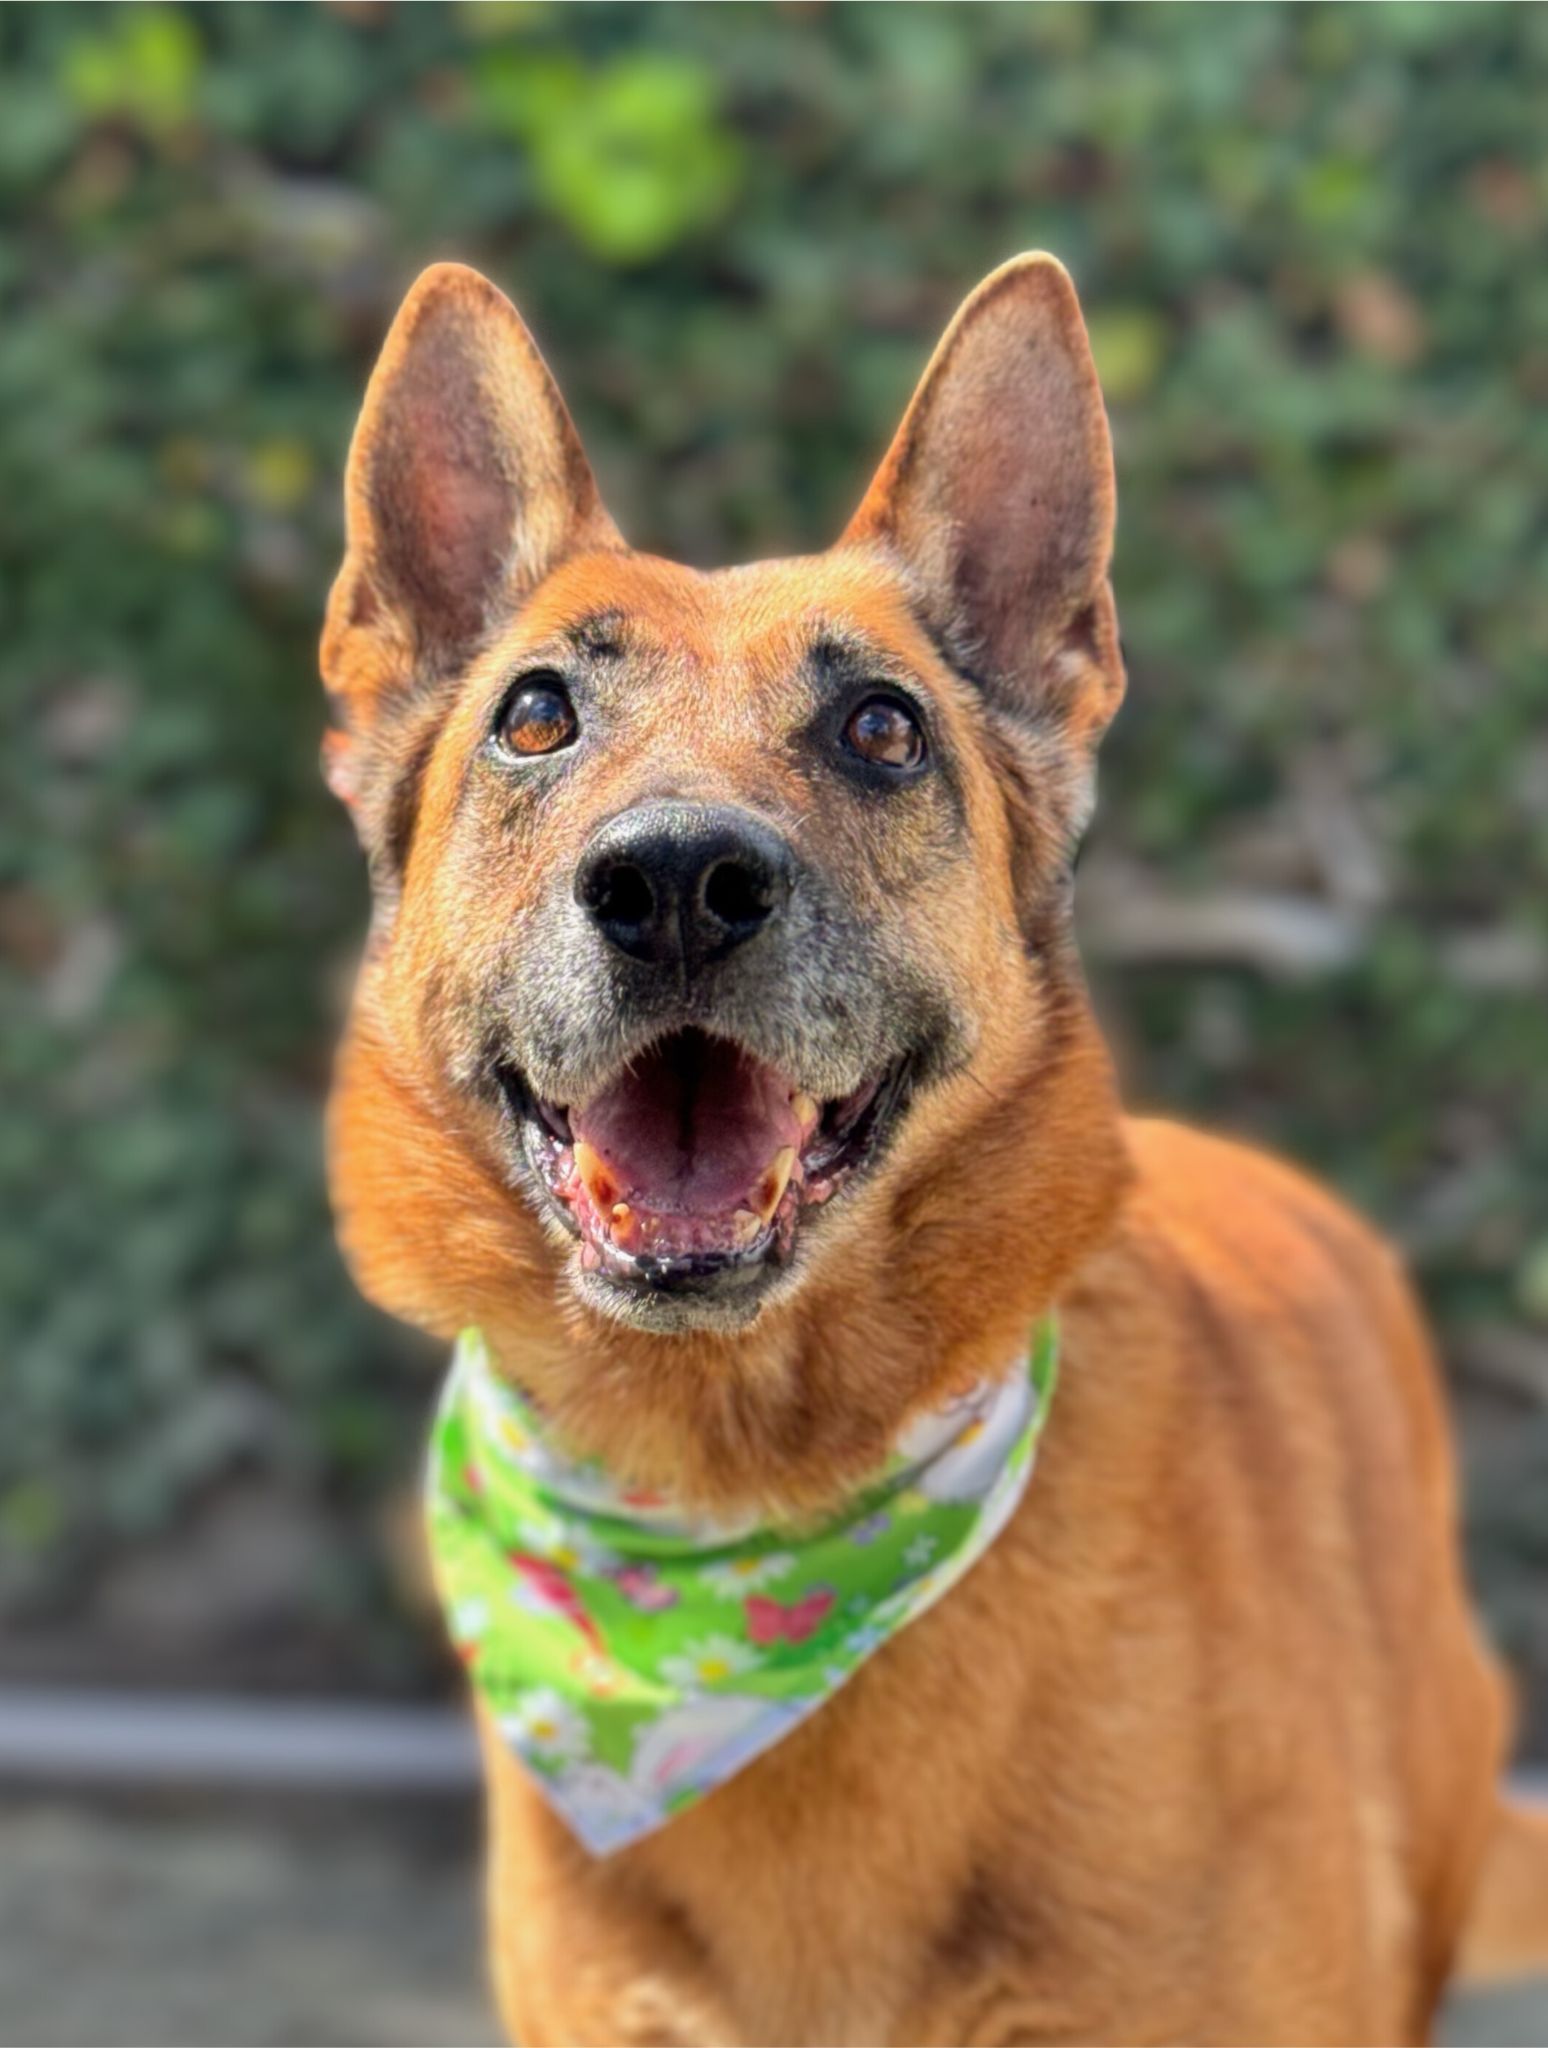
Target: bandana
(635,1659)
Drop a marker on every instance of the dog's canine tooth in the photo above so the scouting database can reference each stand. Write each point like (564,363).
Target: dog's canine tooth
(600,1185)
(745,1225)
(774,1182)
(805,1107)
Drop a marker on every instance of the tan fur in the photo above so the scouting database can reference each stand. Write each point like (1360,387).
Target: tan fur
(1204,1749)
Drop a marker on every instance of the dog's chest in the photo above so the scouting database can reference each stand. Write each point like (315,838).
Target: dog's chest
(854,1886)
(1000,1830)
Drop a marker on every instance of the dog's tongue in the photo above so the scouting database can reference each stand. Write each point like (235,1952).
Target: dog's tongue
(694,1128)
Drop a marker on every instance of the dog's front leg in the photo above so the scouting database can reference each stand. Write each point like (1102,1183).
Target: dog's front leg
(579,1952)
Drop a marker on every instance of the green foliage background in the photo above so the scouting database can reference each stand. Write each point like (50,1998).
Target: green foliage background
(1310,244)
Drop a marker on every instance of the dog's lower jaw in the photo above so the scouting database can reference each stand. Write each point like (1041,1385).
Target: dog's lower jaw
(726,1314)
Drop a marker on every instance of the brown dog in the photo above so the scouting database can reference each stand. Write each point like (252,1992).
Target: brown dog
(1204,1748)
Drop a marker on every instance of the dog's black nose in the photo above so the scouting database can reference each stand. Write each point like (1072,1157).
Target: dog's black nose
(680,885)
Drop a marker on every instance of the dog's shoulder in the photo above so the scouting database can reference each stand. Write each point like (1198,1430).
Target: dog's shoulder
(1256,1305)
(1252,1230)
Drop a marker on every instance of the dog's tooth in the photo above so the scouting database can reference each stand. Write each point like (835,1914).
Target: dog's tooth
(774,1182)
(626,1227)
(805,1108)
(600,1184)
(745,1225)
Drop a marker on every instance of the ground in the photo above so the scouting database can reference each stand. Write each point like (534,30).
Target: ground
(339,1927)
(176,1925)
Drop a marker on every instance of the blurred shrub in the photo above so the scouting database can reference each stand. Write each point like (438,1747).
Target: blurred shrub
(1308,242)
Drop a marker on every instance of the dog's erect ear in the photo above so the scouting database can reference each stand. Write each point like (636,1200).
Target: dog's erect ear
(466,484)
(997,499)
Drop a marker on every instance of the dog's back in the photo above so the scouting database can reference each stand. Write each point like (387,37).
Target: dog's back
(1293,1452)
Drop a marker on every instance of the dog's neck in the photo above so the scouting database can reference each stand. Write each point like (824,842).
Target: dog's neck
(794,1411)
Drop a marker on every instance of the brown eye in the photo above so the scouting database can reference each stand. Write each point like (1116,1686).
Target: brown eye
(538,718)
(885,732)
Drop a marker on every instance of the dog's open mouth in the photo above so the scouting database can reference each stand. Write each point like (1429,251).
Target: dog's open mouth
(696,1162)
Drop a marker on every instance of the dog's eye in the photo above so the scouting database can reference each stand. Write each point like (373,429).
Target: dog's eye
(537,717)
(884,731)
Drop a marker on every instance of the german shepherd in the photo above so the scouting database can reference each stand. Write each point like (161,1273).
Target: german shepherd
(1204,1749)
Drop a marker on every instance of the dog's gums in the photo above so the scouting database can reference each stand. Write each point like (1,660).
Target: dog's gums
(694,1167)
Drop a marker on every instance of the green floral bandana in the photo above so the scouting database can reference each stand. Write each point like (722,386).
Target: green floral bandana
(635,1660)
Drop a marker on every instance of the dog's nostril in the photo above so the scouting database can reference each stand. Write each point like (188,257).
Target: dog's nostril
(622,896)
(737,894)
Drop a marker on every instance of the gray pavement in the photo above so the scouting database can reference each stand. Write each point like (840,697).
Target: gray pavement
(120,1927)
(240,1924)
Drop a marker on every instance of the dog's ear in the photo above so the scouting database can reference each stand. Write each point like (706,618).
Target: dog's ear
(996,498)
(466,485)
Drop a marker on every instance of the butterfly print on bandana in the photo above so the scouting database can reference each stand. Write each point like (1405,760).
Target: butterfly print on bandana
(644,1589)
(773,1621)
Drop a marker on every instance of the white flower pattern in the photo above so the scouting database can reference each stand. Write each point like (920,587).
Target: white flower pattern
(710,1661)
(546,1727)
(735,1576)
(563,1544)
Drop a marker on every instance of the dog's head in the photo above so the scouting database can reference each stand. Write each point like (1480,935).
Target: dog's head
(721,918)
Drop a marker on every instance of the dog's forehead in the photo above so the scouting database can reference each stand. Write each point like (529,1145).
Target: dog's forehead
(763,620)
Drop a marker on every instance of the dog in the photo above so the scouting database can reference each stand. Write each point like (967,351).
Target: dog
(722,1058)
